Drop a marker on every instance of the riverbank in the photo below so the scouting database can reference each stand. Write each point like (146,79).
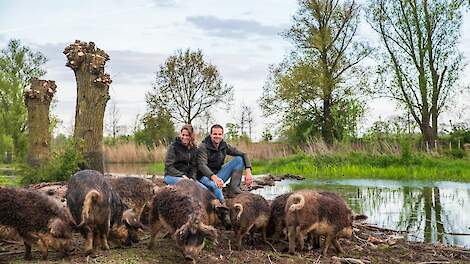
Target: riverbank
(371,244)
(360,165)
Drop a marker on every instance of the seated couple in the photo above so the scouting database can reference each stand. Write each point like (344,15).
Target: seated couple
(205,164)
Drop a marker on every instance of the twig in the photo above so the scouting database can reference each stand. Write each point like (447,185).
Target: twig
(272,247)
(434,262)
(270,260)
(350,260)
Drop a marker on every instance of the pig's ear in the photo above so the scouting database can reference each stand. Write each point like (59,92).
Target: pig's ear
(208,231)
(57,228)
(360,217)
(130,220)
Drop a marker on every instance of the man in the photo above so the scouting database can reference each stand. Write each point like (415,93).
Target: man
(212,172)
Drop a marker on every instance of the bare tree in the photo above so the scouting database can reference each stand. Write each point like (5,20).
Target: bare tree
(186,86)
(246,120)
(114,117)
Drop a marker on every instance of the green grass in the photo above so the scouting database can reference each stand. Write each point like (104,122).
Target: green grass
(9,181)
(357,165)
(156,168)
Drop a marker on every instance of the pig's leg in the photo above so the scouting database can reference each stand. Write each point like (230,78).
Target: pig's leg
(238,238)
(27,250)
(96,240)
(155,229)
(328,240)
(89,242)
(337,246)
(292,239)
(42,248)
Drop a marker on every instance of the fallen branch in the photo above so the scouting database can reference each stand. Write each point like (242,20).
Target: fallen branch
(349,260)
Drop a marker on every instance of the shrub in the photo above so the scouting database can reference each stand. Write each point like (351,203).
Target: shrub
(63,164)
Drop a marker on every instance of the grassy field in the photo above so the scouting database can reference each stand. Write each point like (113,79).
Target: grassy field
(416,167)
(360,165)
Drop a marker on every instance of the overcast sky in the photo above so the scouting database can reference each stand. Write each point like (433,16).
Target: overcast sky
(242,38)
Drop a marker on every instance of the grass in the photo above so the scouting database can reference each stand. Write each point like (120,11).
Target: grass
(156,168)
(361,165)
(10,181)
(358,165)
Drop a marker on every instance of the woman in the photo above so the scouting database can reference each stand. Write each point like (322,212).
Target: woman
(181,157)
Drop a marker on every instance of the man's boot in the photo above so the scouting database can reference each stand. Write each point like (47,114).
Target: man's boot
(234,184)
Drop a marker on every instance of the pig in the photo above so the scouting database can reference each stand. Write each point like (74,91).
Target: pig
(277,218)
(37,219)
(217,212)
(135,192)
(100,211)
(248,211)
(181,215)
(323,214)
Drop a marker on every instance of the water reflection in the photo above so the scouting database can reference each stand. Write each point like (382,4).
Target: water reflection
(127,168)
(428,211)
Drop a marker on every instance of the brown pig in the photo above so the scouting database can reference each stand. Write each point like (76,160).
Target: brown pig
(100,211)
(248,211)
(135,192)
(182,216)
(277,218)
(323,214)
(37,219)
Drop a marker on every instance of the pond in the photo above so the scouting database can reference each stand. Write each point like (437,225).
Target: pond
(127,168)
(427,211)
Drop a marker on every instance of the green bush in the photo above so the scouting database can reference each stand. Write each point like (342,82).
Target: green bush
(63,164)
(456,153)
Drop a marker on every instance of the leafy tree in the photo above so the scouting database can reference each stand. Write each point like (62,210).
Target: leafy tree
(18,65)
(186,86)
(157,130)
(313,81)
(420,63)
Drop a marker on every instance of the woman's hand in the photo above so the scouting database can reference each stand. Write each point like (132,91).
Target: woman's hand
(218,182)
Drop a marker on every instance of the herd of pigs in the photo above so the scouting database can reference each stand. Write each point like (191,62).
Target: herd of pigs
(104,208)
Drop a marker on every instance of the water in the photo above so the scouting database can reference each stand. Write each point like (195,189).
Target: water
(127,168)
(437,212)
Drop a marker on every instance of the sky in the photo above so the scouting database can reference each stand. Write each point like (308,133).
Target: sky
(242,38)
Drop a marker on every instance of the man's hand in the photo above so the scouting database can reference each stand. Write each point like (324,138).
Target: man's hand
(248,177)
(218,182)
(185,177)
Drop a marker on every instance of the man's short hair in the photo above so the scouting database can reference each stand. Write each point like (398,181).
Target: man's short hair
(216,126)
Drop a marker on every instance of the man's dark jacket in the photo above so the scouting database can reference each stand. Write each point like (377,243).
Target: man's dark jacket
(210,159)
(181,160)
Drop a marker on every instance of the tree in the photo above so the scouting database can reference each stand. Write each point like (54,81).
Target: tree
(421,63)
(245,120)
(18,65)
(114,116)
(157,129)
(38,100)
(186,86)
(87,63)
(324,33)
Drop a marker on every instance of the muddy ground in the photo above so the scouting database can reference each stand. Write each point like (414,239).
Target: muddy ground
(370,245)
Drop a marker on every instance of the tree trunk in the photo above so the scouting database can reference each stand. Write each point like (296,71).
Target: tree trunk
(88,62)
(327,126)
(427,131)
(38,100)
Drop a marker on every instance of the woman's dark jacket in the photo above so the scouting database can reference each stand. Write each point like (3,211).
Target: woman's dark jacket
(210,159)
(181,160)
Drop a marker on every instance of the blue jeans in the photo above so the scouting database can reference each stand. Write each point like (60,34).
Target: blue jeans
(236,164)
(171,180)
